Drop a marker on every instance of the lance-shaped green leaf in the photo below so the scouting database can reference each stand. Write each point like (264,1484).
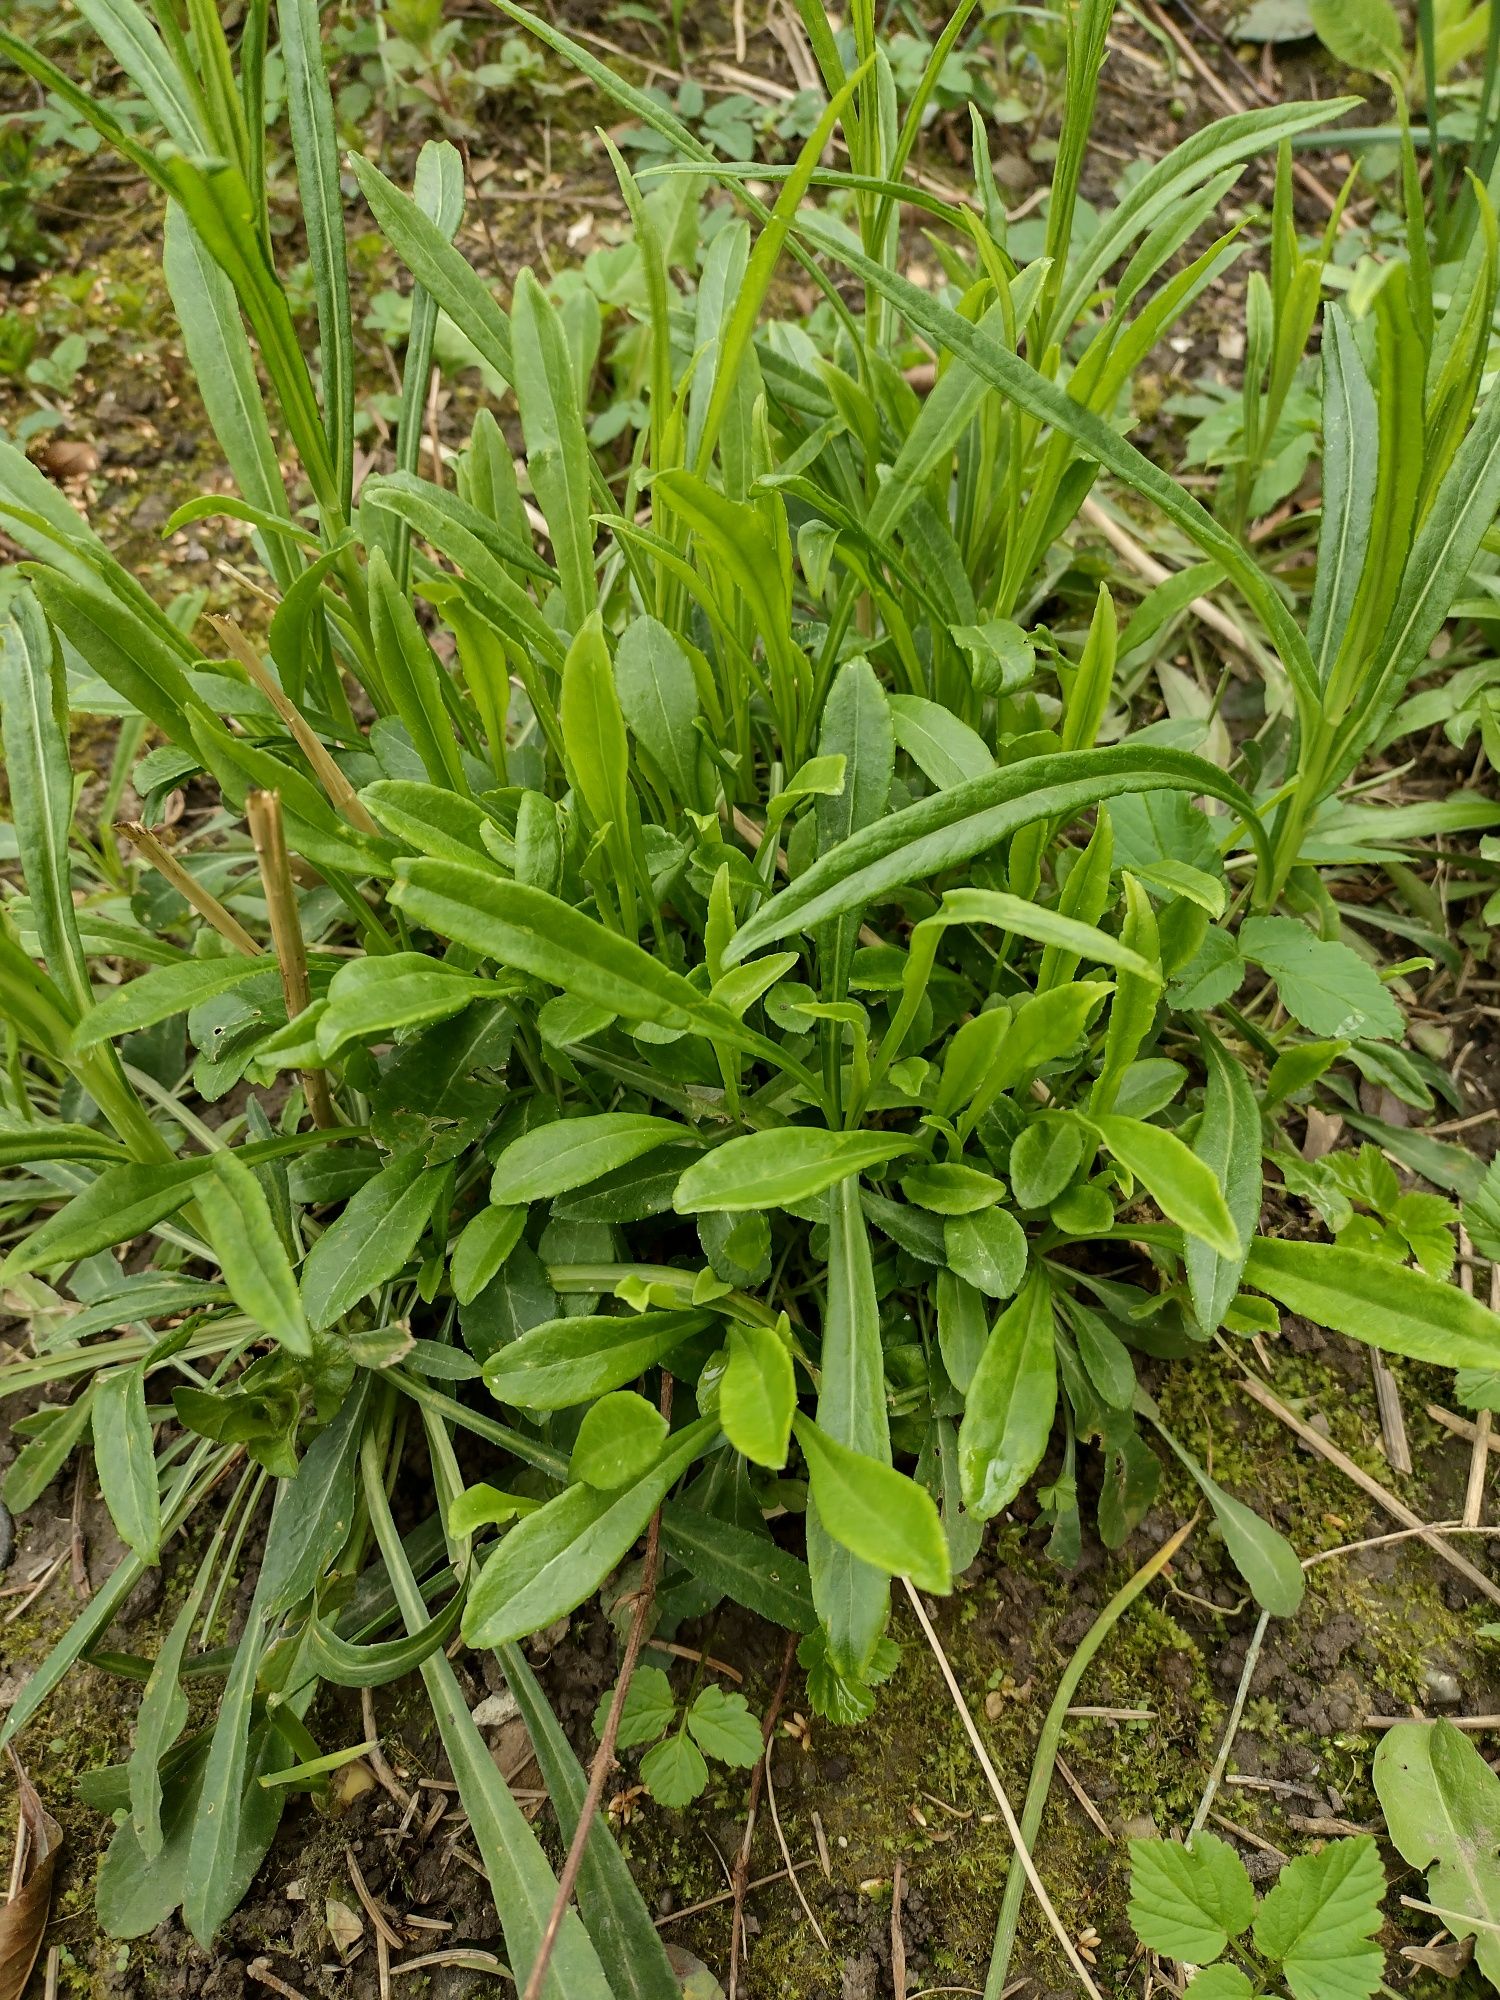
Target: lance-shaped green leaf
(1229,1143)
(781,1167)
(572,1152)
(34,719)
(948,828)
(370,999)
(1183,1186)
(125,1459)
(169,989)
(370,1241)
(534,932)
(1351,464)
(1010,1403)
(251,1256)
(213,335)
(746,1567)
(557,452)
(883,1518)
(594,730)
(321,203)
(849,1589)
(567,1361)
(118,1205)
(758,1395)
(441,270)
(558,1556)
(1369,1298)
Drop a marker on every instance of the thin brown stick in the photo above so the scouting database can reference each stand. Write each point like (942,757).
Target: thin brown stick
(1259,1393)
(604,1756)
(1460,1426)
(212,911)
(1392,1416)
(1479,1459)
(998,1792)
(263,811)
(380,1922)
(1474,1722)
(376,1758)
(1146,566)
(786,1852)
(727,1895)
(740,1878)
(1399,1535)
(342,794)
(898,1936)
(1070,1779)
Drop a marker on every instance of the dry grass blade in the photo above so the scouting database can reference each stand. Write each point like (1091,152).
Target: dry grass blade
(192,891)
(898,1936)
(23,1918)
(1483,1422)
(1259,1393)
(1232,1727)
(263,813)
(992,1778)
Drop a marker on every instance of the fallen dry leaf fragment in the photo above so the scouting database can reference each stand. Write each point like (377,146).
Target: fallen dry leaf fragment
(23,1919)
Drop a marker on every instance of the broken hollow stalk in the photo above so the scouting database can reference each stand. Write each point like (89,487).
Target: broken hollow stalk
(1050,1741)
(188,887)
(263,812)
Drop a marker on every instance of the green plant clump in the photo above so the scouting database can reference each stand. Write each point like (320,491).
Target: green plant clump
(704,990)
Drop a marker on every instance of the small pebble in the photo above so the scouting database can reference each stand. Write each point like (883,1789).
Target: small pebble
(1442,1687)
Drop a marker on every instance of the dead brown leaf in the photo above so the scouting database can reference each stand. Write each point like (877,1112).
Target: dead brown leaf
(23,1919)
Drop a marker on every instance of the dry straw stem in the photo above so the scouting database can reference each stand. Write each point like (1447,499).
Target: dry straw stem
(263,813)
(997,1790)
(1049,1742)
(212,911)
(340,792)
(1397,1509)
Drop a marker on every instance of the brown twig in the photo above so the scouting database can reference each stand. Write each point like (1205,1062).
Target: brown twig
(212,911)
(263,811)
(786,1852)
(381,1923)
(376,1758)
(1259,1393)
(1304,175)
(1460,1426)
(898,1936)
(604,1756)
(335,784)
(1483,1422)
(1392,1417)
(740,1879)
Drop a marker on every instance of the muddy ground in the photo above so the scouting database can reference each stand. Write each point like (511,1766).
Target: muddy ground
(1384,1631)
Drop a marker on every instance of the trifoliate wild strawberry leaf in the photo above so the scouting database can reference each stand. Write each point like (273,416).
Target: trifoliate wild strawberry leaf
(674,1773)
(1442,1809)
(1220,1982)
(1326,986)
(1188,1902)
(1481,1213)
(721,1724)
(649,1708)
(1319,1918)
